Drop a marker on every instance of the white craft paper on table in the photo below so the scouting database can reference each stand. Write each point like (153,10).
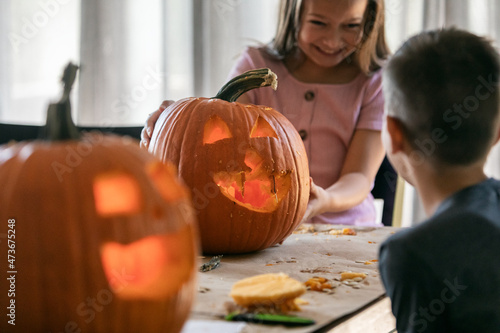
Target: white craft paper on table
(211,326)
(302,256)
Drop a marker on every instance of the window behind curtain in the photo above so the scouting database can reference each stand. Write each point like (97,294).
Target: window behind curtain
(133,54)
(38,39)
(122,56)
(119,45)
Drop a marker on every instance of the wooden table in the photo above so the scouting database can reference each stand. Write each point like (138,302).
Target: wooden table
(309,252)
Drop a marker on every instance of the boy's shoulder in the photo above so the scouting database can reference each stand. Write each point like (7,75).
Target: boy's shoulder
(465,216)
(481,199)
(455,250)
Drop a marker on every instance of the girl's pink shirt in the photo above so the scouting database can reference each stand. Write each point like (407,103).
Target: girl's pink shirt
(326,116)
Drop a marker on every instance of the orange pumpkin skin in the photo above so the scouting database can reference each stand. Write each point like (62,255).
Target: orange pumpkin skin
(253,148)
(64,283)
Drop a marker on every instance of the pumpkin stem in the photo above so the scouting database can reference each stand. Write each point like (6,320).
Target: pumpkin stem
(59,125)
(249,80)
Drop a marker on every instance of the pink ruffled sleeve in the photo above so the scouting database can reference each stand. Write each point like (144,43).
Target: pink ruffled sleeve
(372,108)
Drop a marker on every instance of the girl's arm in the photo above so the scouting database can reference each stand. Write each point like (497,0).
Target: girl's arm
(363,159)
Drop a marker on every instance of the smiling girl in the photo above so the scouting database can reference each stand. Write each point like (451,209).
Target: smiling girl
(327,55)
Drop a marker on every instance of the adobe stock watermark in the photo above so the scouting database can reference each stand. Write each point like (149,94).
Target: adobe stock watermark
(454,116)
(425,315)
(31,26)
(224,7)
(393,8)
(129,101)
(77,151)
(92,305)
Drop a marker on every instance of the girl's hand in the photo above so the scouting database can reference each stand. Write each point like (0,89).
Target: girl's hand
(318,201)
(364,156)
(147,131)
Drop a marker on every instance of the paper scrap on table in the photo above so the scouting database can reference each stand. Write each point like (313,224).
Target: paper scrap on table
(212,326)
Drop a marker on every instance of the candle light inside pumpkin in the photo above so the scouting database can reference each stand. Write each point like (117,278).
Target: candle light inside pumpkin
(255,189)
(215,130)
(262,129)
(154,267)
(116,193)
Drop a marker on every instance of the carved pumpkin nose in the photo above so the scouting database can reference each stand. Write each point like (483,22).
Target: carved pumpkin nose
(256,188)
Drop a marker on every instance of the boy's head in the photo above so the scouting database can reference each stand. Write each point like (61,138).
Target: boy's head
(442,94)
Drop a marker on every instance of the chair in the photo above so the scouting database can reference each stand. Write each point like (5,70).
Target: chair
(390,188)
(397,215)
(384,188)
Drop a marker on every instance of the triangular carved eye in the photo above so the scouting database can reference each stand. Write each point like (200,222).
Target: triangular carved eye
(262,128)
(215,129)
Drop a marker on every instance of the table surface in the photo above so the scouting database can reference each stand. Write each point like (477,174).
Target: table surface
(313,250)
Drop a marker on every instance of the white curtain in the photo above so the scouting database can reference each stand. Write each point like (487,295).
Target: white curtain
(38,39)
(136,53)
(133,53)
(223,28)
(122,78)
(5,73)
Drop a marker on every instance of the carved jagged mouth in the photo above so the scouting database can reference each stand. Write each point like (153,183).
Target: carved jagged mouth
(256,189)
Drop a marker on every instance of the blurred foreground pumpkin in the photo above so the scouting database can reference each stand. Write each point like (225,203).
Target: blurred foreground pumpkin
(102,236)
(246,166)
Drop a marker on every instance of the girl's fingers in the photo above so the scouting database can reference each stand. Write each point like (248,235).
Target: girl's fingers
(145,138)
(165,104)
(313,189)
(147,132)
(152,119)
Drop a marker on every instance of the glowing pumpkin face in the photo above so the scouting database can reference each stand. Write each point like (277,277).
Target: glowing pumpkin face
(245,165)
(109,231)
(252,187)
(158,265)
(106,232)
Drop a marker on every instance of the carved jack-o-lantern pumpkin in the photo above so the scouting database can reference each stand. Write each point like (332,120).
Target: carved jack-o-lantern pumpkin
(245,164)
(101,235)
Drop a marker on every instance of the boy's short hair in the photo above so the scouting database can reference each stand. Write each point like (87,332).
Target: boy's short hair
(443,86)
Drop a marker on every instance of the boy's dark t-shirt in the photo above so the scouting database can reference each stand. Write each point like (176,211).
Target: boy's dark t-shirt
(444,274)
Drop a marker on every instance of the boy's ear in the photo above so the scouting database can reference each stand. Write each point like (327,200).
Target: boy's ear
(396,134)
(498,137)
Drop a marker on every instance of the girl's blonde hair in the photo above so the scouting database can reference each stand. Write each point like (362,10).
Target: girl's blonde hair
(372,50)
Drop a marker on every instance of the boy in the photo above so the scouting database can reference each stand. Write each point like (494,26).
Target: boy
(442,119)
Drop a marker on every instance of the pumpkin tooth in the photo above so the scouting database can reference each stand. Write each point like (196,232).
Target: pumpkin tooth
(274,189)
(242,184)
